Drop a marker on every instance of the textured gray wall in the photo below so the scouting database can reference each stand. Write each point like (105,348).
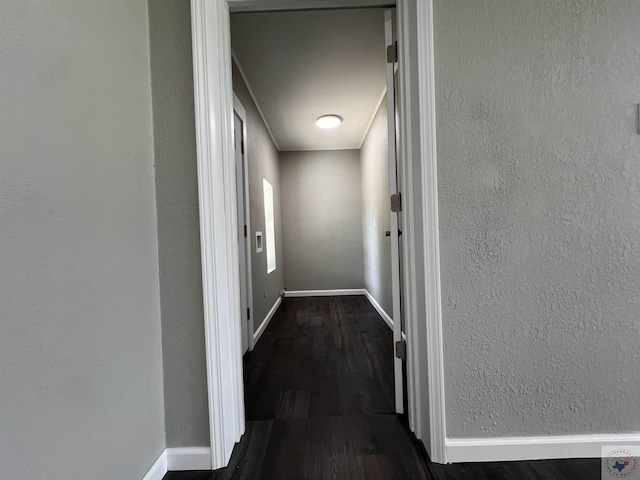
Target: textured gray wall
(183,347)
(80,349)
(262,157)
(322,219)
(374,159)
(539,189)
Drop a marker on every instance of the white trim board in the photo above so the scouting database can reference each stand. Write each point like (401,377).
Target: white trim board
(324,293)
(503,449)
(217,201)
(374,303)
(409,138)
(188,458)
(159,468)
(385,316)
(179,459)
(323,149)
(427,240)
(265,323)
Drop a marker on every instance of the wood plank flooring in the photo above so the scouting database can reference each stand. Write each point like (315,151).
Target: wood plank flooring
(319,405)
(572,469)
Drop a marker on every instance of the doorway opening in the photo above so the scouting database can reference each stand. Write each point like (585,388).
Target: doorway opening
(318,88)
(318,195)
(219,223)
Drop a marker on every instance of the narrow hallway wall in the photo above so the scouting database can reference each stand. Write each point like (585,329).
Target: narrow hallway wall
(374,158)
(322,219)
(263,160)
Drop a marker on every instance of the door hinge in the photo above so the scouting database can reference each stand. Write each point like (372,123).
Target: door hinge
(241,146)
(245,231)
(396,202)
(392,53)
(248,314)
(401,350)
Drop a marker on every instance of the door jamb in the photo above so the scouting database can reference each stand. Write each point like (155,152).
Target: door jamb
(392,161)
(421,262)
(218,219)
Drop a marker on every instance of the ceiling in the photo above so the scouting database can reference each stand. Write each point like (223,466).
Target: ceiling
(304,64)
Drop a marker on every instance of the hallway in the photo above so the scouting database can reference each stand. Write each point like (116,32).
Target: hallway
(319,405)
(319,397)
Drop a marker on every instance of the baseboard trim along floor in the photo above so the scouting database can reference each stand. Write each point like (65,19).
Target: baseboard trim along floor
(324,293)
(265,323)
(159,468)
(179,459)
(503,449)
(374,303)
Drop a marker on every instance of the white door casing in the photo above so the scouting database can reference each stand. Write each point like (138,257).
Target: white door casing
(219,216)
(218,224)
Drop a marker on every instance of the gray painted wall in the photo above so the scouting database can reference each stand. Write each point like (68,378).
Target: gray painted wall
(80,349)
(262,157)
(374,159)
(539,215)
(183,347)
(322,219)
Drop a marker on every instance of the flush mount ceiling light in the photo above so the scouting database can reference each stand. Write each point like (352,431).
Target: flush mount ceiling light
(329,121)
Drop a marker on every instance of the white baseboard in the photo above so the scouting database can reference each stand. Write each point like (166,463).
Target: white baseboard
(502,449)
(258,333)
(179,459)
(324,293)
(385,316)
(159,468)
(188,458)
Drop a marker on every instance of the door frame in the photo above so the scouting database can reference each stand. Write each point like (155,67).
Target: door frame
(218,216)
(242,113)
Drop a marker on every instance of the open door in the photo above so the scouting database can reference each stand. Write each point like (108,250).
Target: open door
(395,210)
(246,327)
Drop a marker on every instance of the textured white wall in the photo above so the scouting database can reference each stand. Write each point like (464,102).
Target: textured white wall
(183,346)
(374,160)
(539,190)
(80,347)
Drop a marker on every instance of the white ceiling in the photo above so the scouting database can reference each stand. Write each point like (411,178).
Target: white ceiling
(304,64)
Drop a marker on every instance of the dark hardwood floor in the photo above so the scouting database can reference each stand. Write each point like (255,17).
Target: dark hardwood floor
(573,469)
(320,402)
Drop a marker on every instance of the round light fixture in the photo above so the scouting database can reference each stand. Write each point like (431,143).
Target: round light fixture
(329,121)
